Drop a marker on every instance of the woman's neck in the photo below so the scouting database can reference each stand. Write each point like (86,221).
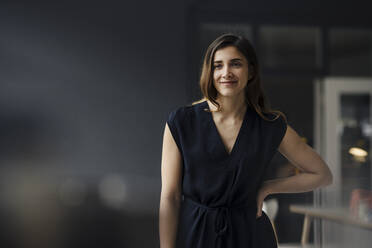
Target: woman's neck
(231,107)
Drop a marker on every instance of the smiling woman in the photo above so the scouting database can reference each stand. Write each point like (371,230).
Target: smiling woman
(216,152)
(230,71)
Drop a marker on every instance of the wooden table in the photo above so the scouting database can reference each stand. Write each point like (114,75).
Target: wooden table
(340,215)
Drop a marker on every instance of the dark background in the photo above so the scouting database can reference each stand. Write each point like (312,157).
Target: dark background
(85,89)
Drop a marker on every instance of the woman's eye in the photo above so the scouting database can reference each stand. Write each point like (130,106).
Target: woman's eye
(217,66)
(236,64)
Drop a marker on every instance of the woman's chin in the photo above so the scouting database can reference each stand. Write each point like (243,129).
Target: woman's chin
(228,94)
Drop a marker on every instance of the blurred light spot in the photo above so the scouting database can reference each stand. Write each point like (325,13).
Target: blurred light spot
(359,154)
(112,191)
(72,192)
(367,129)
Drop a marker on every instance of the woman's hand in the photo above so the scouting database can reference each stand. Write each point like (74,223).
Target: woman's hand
(263,192)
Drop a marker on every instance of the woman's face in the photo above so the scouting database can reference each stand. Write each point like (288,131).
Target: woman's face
(230,71)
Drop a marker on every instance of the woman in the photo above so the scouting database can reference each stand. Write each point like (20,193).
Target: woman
(215,153)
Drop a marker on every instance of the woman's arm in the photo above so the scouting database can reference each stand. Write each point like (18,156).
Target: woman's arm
(170,199)
(314,171)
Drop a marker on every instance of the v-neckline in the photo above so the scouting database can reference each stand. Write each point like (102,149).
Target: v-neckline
(214,126)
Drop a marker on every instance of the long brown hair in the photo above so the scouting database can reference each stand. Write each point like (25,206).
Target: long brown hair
(254,95)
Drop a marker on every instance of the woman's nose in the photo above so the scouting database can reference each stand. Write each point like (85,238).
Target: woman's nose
(226,72)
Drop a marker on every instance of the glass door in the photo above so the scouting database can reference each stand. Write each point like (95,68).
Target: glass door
(343,137)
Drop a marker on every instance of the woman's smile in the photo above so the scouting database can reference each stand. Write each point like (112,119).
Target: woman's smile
(229,82)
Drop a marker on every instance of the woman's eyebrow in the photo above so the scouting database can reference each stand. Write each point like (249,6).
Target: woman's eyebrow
(234,59)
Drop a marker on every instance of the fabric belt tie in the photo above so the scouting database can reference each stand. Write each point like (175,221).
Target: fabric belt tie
(222,220)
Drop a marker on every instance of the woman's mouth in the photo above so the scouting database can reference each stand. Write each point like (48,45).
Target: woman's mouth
(228,82)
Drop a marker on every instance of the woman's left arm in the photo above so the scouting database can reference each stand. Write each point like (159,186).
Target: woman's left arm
(314,171)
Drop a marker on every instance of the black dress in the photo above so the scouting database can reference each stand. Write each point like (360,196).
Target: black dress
(219,189)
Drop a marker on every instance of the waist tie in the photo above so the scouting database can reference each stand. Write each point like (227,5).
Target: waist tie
(222,221)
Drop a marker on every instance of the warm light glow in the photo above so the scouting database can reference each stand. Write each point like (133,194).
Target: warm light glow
(359,152)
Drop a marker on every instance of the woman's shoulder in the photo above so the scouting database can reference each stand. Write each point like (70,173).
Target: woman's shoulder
(184,112)
(275,120)
(277,125)
(274,116)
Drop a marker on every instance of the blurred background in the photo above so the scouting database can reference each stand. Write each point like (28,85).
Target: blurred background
(86,87)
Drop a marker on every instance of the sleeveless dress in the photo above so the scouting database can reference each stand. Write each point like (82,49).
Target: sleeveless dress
(219,189)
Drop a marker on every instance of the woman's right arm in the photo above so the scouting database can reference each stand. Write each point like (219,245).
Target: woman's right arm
(170,199)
